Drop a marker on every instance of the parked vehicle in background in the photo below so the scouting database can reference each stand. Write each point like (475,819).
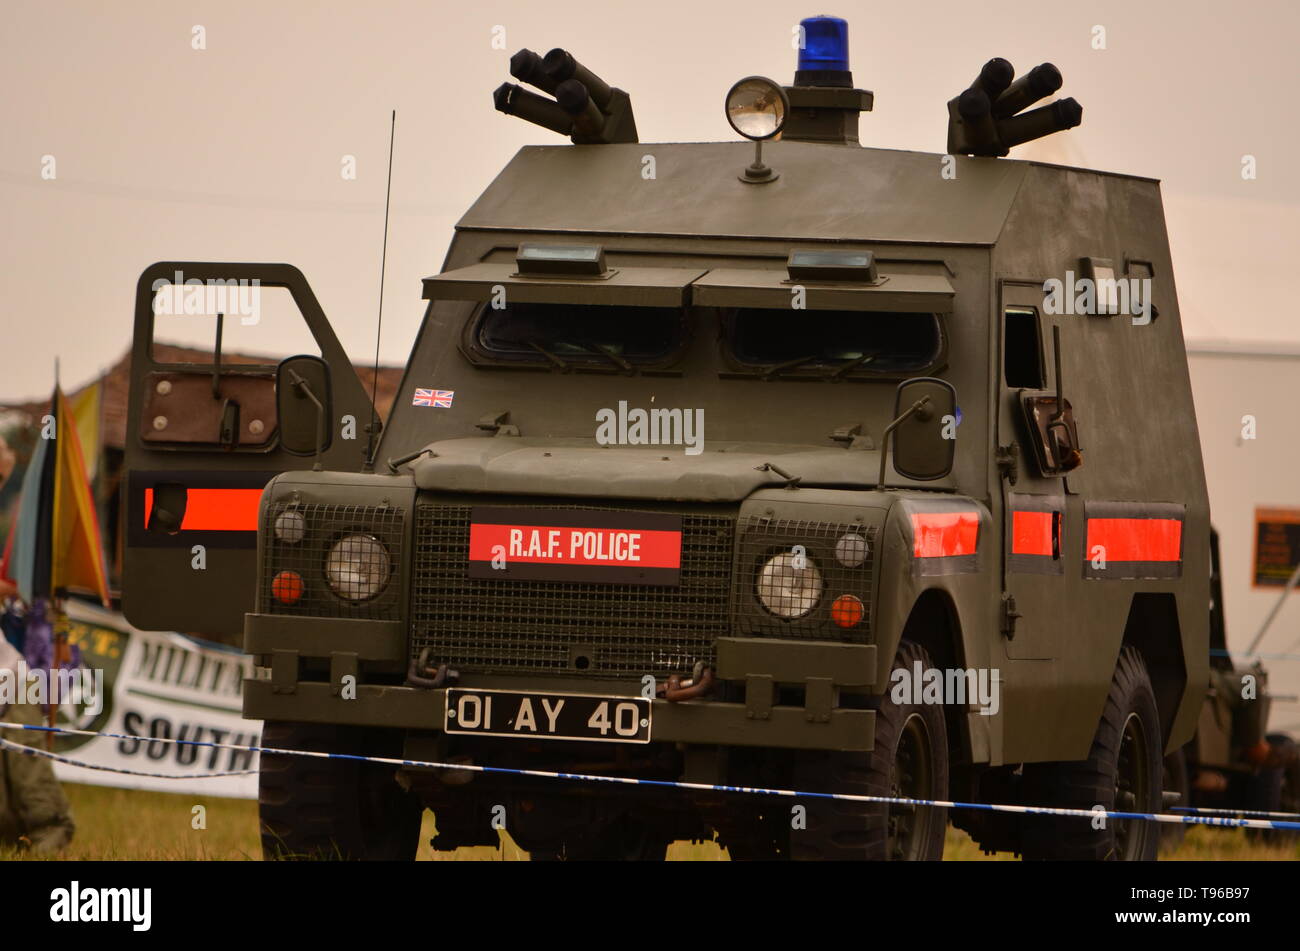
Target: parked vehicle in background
(1232,762)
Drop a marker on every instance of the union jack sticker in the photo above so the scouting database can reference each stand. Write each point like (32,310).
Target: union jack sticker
(439,398)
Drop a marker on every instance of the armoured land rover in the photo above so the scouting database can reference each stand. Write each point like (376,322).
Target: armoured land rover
(743,463)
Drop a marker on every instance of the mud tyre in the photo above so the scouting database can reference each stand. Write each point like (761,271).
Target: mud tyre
(909,760)
(325,809)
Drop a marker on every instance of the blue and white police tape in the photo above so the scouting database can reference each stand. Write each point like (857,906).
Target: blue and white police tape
(1263,813)
(694,787)
(13,747)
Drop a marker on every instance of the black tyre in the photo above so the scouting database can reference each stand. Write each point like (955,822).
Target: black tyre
(1123,772)
(313,808)
(909,761)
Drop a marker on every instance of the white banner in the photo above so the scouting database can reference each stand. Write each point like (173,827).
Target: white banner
(158,685)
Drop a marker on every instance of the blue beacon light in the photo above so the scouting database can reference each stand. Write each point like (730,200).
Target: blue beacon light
(825,45)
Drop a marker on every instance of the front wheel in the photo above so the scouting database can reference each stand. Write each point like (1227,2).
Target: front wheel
(909,760)
(316,808)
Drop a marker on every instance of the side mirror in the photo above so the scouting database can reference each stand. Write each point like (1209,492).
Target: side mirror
(302,394)
(925,442)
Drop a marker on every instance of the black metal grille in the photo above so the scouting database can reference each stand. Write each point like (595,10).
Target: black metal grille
(812,588)
(308,533)
(565,627)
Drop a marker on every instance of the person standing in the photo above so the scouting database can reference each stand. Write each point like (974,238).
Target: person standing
(34,812)
(7,461)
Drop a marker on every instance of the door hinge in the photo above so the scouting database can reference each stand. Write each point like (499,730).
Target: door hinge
(1008,460)
(1009,616)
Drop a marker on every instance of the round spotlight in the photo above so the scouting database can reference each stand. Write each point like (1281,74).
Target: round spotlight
(757,108)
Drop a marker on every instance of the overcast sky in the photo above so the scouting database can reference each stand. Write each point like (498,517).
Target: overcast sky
(234,152)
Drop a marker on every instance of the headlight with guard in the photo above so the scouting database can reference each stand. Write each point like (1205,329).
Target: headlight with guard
(789,585)
(358,567)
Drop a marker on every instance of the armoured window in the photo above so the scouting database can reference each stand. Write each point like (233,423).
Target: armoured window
(1022,352)
(579,333)
(857,341)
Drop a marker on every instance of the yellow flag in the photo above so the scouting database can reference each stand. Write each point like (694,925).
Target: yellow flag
(78,559)
(86,413)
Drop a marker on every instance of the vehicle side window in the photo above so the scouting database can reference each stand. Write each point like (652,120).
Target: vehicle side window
(1022,349)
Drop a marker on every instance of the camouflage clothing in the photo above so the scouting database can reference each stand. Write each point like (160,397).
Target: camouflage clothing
(33,808)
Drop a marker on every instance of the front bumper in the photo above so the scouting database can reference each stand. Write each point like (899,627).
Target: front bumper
(694,722)
(766,672)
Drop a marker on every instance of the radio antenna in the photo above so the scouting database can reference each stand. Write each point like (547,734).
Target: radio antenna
(373,429)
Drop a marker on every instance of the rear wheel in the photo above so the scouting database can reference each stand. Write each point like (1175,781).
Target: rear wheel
(314,808)
(909,761)
(1123,772)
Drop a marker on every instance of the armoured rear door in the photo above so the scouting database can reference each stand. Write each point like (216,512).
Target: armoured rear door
(204,434)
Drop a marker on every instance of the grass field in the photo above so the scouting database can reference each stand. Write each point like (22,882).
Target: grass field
(126,824)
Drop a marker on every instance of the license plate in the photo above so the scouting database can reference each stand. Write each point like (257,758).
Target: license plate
(548,716)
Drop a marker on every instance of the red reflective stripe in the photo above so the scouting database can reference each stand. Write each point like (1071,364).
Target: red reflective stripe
(1031,533)
(1136,539)
(944,534)
(566,545)
(215,510)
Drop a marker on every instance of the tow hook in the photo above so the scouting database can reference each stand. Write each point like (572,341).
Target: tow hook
(700,684)
(421,674)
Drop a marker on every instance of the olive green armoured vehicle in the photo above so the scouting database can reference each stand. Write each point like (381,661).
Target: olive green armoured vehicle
(787,463)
